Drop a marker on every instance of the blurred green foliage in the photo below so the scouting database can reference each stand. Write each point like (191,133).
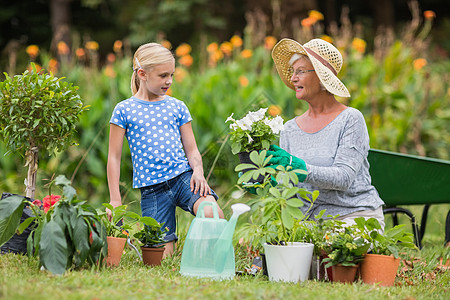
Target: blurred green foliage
(403,96)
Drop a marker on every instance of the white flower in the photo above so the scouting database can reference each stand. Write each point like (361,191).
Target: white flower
(250,140)
(230,118)
(245,123)
(233,126)
(255,116)
(275,124)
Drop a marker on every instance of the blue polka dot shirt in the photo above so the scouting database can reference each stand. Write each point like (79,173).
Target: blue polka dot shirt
(153,133)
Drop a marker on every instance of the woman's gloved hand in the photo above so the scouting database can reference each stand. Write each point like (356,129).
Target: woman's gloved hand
(284,158)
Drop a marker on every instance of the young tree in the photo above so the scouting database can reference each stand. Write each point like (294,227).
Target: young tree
(38,111)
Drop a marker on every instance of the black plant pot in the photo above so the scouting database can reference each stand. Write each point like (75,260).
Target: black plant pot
(244,158)
(18,243)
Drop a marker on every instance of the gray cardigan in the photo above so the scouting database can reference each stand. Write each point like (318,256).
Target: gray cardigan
(336,159)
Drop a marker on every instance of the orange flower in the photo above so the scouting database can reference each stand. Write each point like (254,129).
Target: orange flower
(246,53)
(92,45)
(180,74)
(327,38)
(53,65)
(38,68)
(63,49)
(226,48)
(419,63)
(109,71)
(33,51)
(117,46)
(359,45)
(212,47)
(315,15)
(169,92)
(183,49)
(166,44)
(111,57)
(243,81)
(269,42)
(274,110)
(186,60)
(236,41)
(429,14)
(80,53)
(308,22)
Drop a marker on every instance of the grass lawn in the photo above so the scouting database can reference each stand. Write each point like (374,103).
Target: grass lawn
(424,276)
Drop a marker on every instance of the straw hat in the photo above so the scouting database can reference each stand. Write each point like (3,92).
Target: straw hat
(325,58)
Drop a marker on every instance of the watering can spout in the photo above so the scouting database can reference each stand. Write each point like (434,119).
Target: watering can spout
(238,209)
(224,243)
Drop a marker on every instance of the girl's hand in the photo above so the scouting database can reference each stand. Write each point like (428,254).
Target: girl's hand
(199,184)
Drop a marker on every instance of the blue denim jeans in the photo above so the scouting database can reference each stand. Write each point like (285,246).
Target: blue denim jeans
(159,201)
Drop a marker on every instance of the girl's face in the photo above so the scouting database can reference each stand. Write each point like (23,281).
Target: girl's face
(156,81)
(305,81)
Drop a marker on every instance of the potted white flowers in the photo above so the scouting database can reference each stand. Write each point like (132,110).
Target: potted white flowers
(255,131)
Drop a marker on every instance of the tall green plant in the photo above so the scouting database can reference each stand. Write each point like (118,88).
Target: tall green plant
(38,111)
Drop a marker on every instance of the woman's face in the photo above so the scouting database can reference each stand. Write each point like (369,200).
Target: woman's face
(306,83)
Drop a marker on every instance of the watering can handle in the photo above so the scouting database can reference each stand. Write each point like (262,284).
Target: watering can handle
(201,212)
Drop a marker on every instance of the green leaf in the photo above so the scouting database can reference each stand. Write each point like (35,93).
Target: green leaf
(24,225)
(81,238)
(53,252)
(11,209)
(286,218)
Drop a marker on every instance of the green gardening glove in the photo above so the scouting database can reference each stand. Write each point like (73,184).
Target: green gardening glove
(284,158)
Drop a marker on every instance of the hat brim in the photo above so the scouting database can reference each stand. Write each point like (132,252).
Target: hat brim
(281,54)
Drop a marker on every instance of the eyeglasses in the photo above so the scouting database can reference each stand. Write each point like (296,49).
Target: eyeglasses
(301,72)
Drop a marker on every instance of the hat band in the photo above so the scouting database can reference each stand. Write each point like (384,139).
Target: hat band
(319,58)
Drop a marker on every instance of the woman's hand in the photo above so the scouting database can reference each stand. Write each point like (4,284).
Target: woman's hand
(284,158)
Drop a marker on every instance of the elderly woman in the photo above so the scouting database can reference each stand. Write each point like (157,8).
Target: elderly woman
(329,140)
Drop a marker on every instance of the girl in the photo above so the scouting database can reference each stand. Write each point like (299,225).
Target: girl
(167,166)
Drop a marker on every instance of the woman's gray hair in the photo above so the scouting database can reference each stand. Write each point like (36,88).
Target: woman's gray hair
(296,57)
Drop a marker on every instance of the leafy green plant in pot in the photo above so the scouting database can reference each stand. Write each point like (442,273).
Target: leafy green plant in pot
(381,264)
(38,111)
(275,221)
(117,230)
(345,248)
(151,235)
(66,232)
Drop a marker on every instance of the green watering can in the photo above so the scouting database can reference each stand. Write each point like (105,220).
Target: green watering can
(208,250)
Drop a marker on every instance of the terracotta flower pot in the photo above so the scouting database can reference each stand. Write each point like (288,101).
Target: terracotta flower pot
(152,256)
(380,269)
(344,274)
(115,250)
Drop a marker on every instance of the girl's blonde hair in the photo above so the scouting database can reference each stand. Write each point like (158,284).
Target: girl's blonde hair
(146,57)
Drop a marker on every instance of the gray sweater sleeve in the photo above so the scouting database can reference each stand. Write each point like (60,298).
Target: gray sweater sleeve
(351,151)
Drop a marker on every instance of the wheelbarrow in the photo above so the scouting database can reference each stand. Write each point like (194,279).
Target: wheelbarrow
(403,179)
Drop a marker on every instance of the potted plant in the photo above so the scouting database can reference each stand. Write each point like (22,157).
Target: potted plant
(38,111)
(151,235)
(66,233)
(255,131)
(276,223)
(117,231)
(381,265)
(345,248)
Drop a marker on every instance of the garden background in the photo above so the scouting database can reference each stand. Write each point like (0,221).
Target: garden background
(395,66)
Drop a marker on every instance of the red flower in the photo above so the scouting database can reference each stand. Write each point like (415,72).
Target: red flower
(49,201)
(37,202)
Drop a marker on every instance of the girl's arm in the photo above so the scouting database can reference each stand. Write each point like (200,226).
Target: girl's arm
(198,181)
(116,134)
